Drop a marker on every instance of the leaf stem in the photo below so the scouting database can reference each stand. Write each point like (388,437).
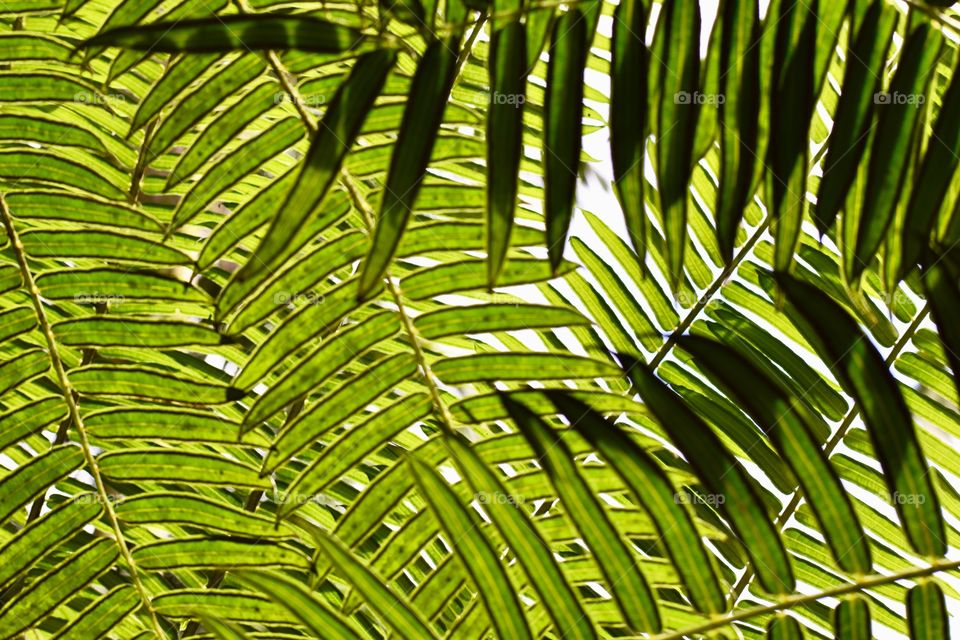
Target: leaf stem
(361,204)
(832,444)
(446,418)
(789,602)
(704,300)
(74,411)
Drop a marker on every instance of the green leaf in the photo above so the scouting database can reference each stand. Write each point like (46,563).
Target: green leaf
(562,128)
(221,34)
(861,370)
(132,381)
(32,478)
(101,245)
(237,605)
(69,207)
(521,536)
(927,612)
(247,157)
(862,79)
(539,21)
(391,608)
(471,274)
(407,11)
(166,465)
(475,551)
(324,361)
(105,285)
(10,278)
(27,365)
(943,295)
(487,408)
(102,615)
(47,167)
(933,179)
(851,619)
(896,135)
(177,425)
(223,630)
(34,46)
(16,424)
(40,537)
(302,605)
(339,406)
(197,511)
(206,97)
(334,138)
(622,576)
(508,79)
(224,128)
(792,103)
(134,332)
(628,116)
(677,118)
(520,366)
(297,331)
(35,126)
(269,290)
(179,74)
(651,487)
(723,476)
(486,318)
(351,447)
(784,627)
(411,155)
(46,86)
(57,585)
(202,552)
(790,425)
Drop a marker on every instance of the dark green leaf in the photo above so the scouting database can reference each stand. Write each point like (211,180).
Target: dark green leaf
(861,370)
(562,137)
(723,476)
(230,33)
(411,155)
(508,78)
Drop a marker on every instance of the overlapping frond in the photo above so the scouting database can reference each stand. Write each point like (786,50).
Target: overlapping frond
(301,335)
